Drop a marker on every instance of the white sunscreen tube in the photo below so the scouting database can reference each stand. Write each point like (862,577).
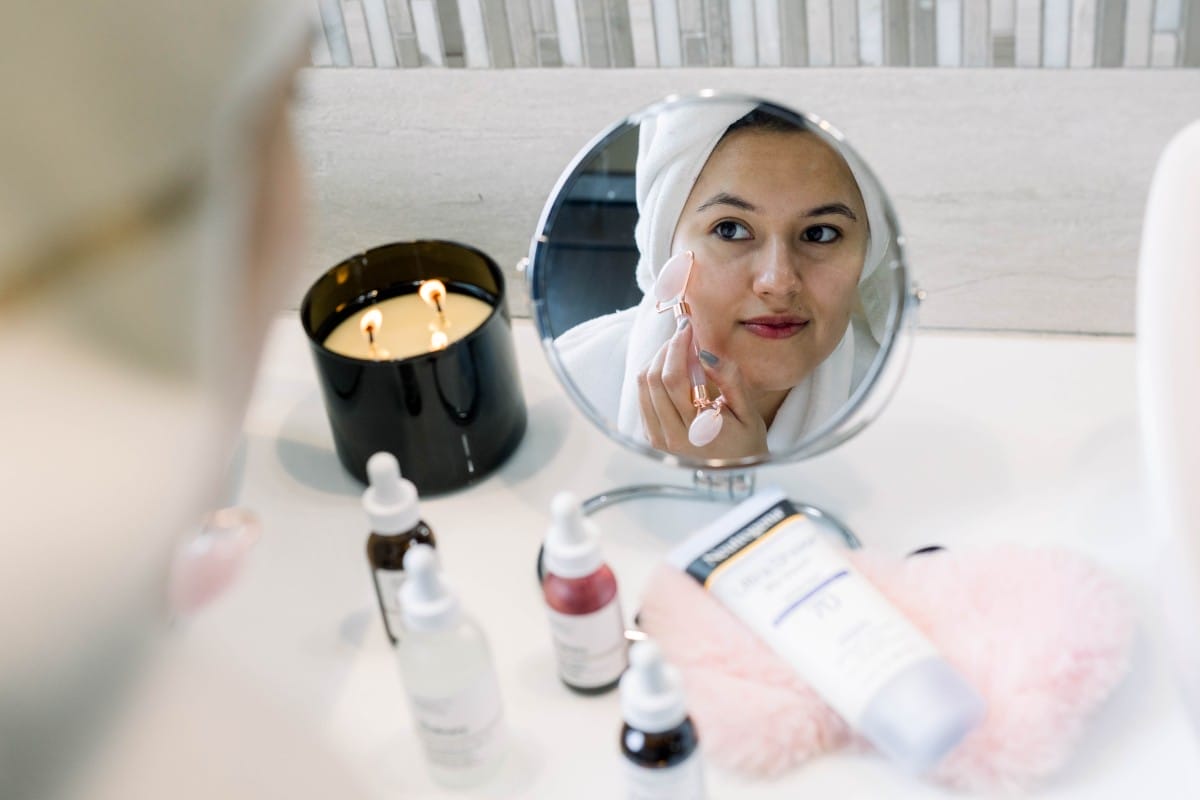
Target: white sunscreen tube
(777,571)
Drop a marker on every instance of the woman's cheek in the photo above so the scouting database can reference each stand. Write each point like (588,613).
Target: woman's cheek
(839,292)
(715,256)
(705,330)
(713,299)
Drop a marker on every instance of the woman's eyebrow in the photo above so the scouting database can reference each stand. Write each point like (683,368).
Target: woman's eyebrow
(724,198)
(832,208)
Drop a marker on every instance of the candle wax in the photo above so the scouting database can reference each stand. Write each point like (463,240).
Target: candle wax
(409,324)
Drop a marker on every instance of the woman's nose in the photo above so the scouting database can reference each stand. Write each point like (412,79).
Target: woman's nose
(776,270)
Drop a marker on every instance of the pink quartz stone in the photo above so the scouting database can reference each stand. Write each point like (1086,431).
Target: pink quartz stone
(705,427)
(672,278)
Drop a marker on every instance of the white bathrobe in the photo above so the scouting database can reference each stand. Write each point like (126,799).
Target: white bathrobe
(603,356)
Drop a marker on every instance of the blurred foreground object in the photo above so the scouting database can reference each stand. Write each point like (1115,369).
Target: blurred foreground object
(1168,342)
(150,202)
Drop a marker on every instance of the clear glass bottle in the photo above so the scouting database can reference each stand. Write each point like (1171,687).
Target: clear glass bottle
(446,666)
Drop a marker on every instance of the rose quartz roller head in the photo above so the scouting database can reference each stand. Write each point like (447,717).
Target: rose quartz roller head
(672,282)
(669,289)
(707,425)
(205,565)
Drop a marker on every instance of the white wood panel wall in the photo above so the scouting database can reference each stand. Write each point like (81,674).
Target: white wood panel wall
(758,33)
(1021,192)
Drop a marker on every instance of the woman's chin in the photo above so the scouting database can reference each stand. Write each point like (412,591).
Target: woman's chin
(766,376)
(773,386)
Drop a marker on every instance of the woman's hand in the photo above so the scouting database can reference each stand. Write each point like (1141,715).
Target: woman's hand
(665,396)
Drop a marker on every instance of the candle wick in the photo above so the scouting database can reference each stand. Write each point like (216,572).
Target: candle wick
(371,335)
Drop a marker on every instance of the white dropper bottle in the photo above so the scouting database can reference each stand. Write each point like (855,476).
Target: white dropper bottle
(658,740)
(447,670)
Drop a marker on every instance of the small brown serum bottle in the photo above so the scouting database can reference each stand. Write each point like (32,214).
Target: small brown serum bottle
(658,740)
(391,505)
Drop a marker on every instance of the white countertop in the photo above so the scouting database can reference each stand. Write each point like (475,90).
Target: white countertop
(990,438)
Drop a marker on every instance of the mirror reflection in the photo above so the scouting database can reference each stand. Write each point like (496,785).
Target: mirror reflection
(714,278)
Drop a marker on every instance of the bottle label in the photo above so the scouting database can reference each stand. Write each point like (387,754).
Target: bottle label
(680,782)
(387,584)
(591,648)
(462,730)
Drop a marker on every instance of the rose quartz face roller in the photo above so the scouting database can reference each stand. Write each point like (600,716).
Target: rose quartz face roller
(669,289)
(205,565)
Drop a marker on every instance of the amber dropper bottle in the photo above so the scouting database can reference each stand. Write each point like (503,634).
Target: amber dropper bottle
(391,505)
(658,740)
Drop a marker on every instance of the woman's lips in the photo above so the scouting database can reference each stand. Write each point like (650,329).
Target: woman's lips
(775,327)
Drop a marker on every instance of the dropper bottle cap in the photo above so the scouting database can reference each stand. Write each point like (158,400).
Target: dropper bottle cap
(390,501)
(651,691)
(572,543)
(427,603)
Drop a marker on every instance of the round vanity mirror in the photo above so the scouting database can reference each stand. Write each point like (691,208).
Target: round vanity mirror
(719,281)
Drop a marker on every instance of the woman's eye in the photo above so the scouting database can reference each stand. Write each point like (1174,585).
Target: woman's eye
(729,230)
(821,234)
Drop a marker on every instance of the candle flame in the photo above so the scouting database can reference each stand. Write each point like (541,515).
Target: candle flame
(433,292)
(370,324)
(439,340)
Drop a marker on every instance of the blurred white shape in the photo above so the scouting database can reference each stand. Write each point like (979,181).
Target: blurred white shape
(1168,342)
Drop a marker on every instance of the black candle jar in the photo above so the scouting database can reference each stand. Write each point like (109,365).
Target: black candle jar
(449,416)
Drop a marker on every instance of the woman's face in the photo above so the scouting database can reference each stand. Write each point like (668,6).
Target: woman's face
(779,232)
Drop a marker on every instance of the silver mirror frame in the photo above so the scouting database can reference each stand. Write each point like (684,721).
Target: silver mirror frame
(876,387)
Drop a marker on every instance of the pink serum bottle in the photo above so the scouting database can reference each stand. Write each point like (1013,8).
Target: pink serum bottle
(581,602)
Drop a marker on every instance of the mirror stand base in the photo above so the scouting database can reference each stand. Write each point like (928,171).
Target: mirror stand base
(723,486)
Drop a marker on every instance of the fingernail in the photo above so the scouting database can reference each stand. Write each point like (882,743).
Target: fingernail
(682,323)
(708,358)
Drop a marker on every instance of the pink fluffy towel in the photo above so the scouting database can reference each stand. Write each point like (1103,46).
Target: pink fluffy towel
(1043,635)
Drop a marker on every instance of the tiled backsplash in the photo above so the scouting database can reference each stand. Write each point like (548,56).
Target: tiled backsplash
(757,33)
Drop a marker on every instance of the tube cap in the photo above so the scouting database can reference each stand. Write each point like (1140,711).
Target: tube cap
(390,501)
(572,543)
(426,603)
(922,714)
(651,691)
